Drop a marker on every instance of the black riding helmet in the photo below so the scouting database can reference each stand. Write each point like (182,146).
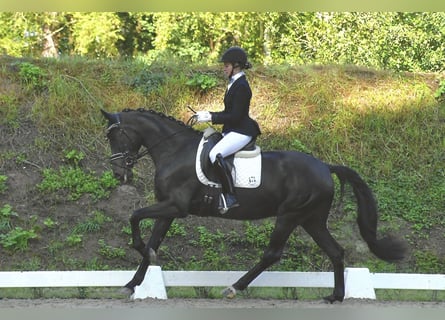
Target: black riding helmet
(237,57)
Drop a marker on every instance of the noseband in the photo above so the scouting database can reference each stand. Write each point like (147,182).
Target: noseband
(129,159)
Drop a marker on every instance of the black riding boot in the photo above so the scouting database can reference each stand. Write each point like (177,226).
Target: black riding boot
(228,199)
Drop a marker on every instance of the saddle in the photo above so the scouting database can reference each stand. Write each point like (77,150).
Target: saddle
(245,164)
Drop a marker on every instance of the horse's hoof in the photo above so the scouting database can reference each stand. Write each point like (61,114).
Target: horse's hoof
(332,298)
(229,293)
(126,291)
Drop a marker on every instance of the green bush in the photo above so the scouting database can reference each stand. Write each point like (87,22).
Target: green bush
(74,156)
(147,81)
(17,239)
(77,182)
(32,76)
(6,213)
(110,252)
(202,82)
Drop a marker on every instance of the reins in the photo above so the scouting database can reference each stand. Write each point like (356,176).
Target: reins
(129,159)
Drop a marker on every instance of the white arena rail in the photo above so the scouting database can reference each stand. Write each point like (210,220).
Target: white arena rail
(359,282)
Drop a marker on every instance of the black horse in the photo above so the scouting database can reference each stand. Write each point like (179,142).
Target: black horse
(296,188)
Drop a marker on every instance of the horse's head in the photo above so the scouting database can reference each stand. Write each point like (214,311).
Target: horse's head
(125,144)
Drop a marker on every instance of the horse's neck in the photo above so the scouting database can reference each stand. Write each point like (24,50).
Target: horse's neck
(170,143)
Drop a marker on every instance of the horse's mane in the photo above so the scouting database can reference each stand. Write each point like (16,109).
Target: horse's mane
(163,116)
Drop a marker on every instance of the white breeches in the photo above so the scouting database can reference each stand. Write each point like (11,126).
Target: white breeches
(229,144)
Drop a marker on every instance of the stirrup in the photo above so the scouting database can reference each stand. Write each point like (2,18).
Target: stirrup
(224,206)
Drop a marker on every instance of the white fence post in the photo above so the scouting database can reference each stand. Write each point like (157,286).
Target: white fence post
(153,285)
(358,284)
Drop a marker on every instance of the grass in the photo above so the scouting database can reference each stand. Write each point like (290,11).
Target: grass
(387,126)
(303,294)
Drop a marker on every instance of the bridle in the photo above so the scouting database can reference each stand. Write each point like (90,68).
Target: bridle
(130,159)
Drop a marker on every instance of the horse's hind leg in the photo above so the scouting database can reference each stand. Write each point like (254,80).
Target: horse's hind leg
(318,231)
(283,228)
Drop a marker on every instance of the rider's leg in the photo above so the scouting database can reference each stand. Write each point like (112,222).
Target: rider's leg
(228,145)
(229,200)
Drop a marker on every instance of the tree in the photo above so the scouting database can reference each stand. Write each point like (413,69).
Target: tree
(27,33)
(412,41)
(95,34)
(137,32)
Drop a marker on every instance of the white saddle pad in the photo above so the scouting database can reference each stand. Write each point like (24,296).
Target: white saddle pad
(246,172)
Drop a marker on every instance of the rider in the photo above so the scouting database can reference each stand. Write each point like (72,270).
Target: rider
(238,128)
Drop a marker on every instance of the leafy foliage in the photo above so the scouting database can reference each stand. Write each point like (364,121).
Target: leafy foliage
(203,82)
(32,76)
(14,238)
(147,81)
(110,252)
(411,41)
(6,213)
(74,156)
(17,239)
(96,34)
(77,182)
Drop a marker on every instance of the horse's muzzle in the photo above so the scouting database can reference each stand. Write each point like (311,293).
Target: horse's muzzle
(126,176)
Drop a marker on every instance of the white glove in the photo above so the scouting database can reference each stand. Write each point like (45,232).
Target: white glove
(203,116)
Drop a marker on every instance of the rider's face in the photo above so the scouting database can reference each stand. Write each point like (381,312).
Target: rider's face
(228,68)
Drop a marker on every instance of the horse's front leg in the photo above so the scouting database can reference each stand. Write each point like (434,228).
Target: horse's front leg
(164,213)
(159,231)
(157,211)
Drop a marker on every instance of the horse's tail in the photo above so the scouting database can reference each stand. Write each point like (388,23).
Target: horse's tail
(387,248)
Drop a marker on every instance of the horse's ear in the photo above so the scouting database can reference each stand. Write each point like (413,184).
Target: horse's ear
(111,117)
(107,115)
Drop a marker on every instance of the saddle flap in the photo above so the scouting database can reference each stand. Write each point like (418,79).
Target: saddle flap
(208,142)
